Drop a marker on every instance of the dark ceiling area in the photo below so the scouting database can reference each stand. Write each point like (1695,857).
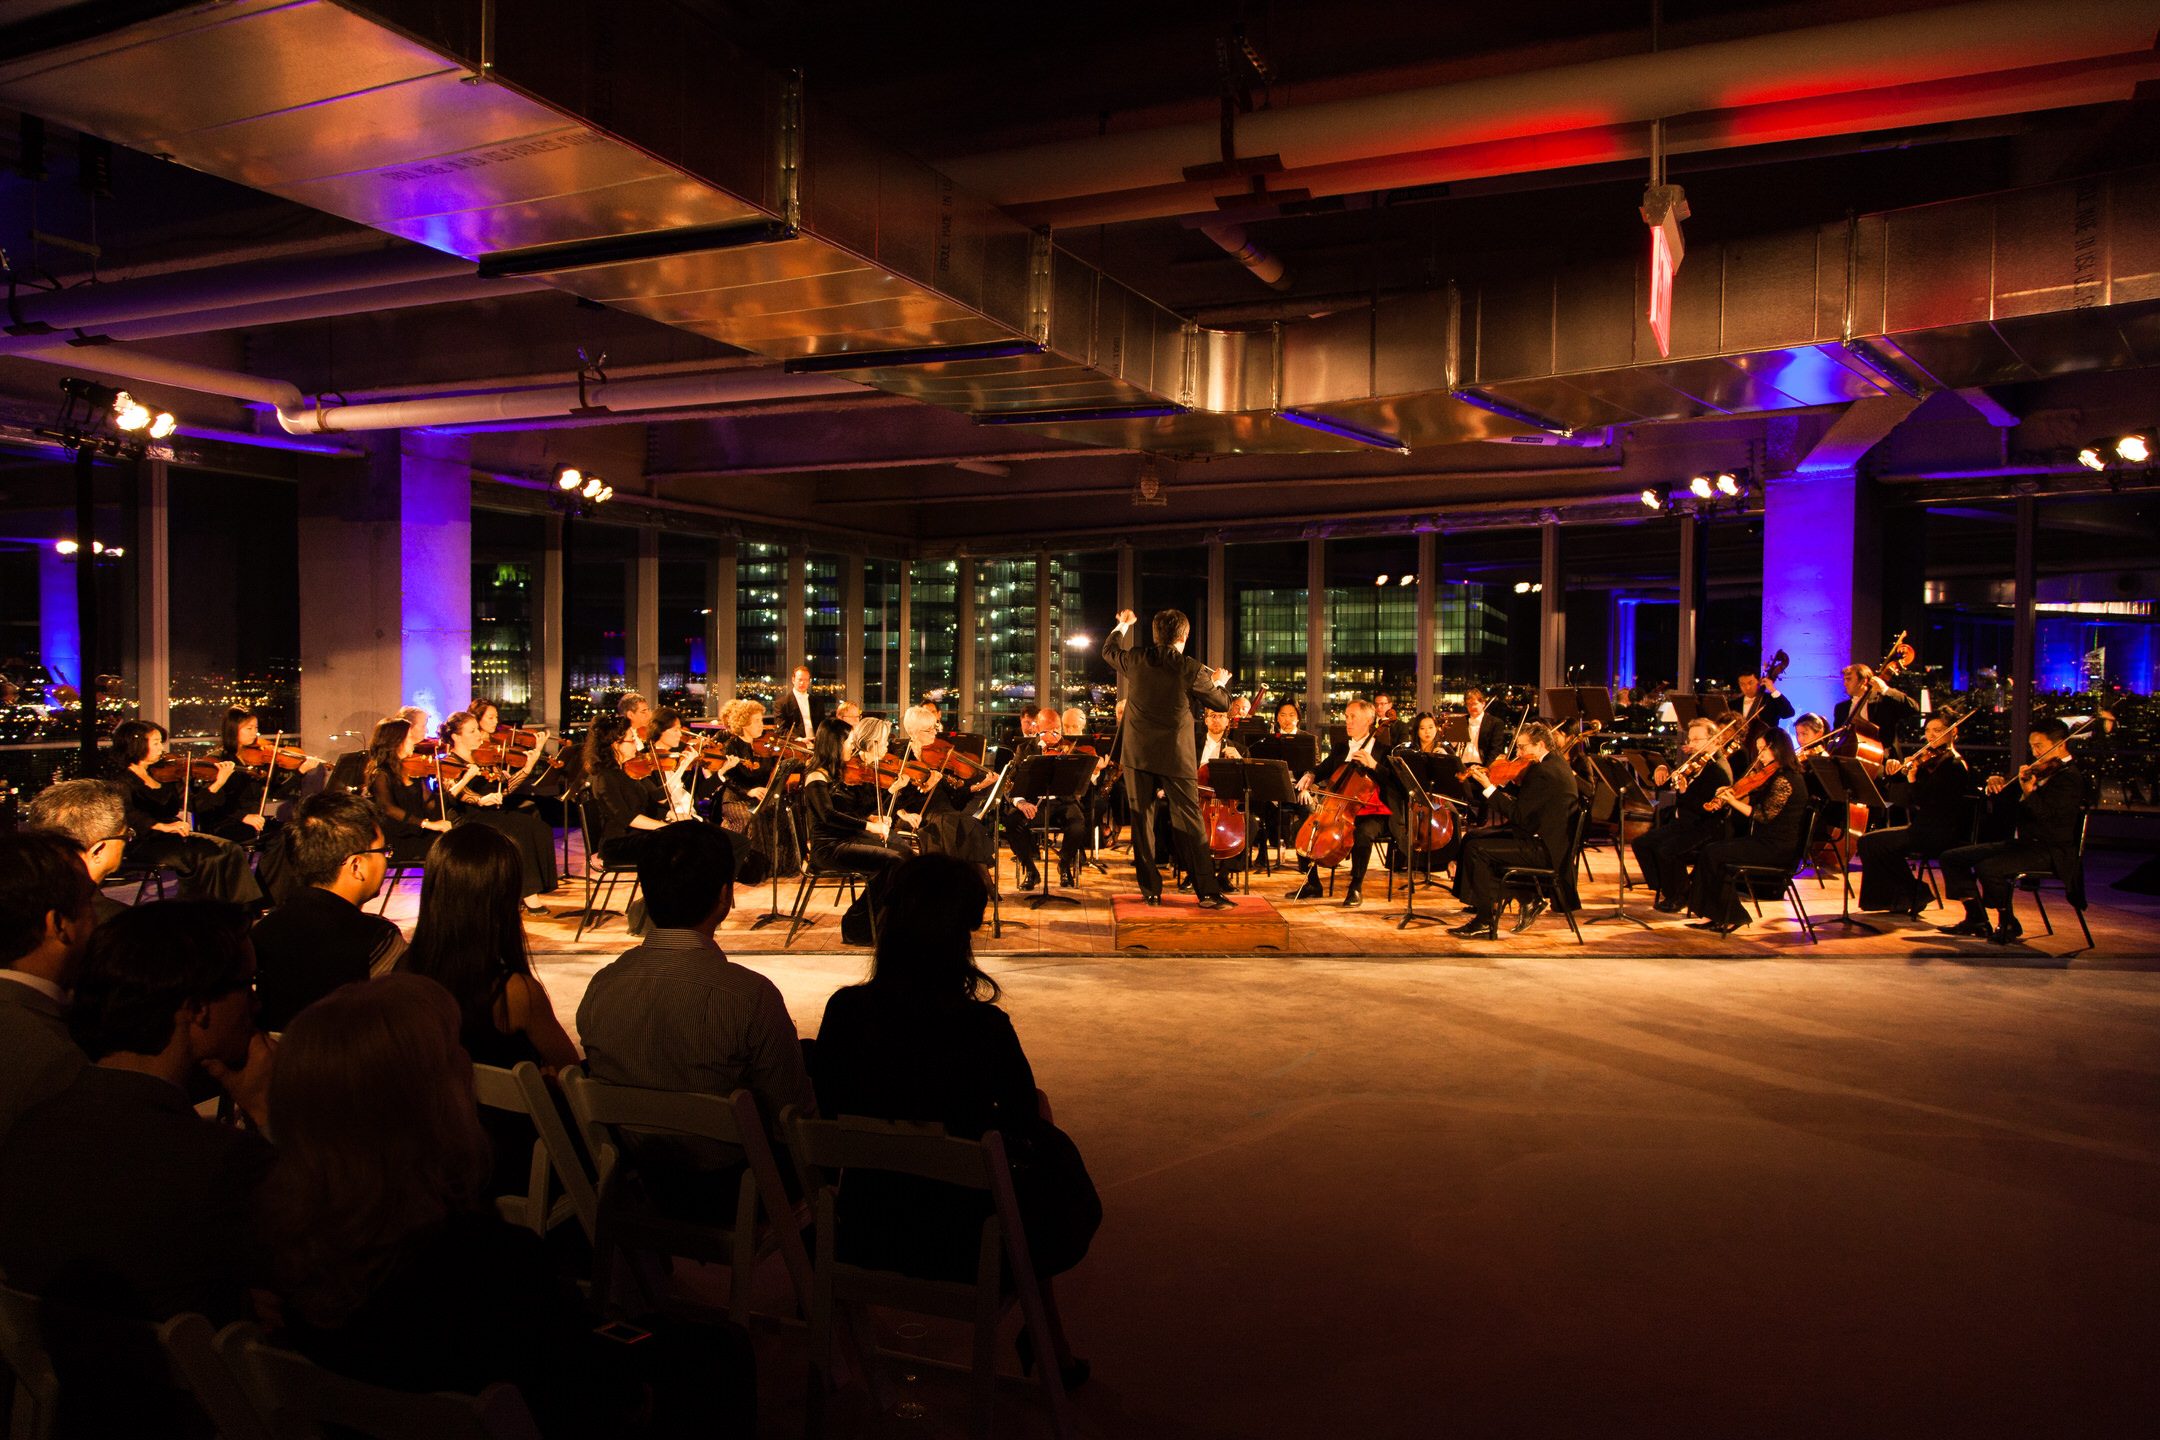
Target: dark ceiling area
(967,81)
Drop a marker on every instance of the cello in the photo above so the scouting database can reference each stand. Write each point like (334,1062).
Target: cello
(1330,832)
(1862,738)
(1221,821)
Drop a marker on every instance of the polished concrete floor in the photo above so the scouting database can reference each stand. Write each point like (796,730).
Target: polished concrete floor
(1536,1189)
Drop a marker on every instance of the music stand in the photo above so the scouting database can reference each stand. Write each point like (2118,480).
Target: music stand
(1616,777)
(1422,806)
(1455,730)
(1267,781)
(1844,788)
(1714,704)
(1227,778)
(1561,706)
(1595,706)
(1043,779)
(776,794)
(1246,733)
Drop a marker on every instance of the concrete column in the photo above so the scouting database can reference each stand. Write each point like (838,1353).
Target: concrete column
(546,675)
(59,633)
(852,625)
(1316,646)
(903,679)
(153,593)
(964,645)
(1428,619)
(386,607)
(1218,609)
(1693,584)
(1819,601)
(2024,630)
(720,585)
(1046,636)
(1128,578)
(641,618)
(1552,613)
(798,611)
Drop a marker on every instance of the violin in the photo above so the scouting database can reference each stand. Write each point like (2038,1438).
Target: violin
(775,742)
(417,766)
(1932,755)
(641,766)
(1758,775)
(2044,765)
(173,769)
(944,755)
(1722,743)
(284,757)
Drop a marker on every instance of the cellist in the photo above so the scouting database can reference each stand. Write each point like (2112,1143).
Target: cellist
(1358,751)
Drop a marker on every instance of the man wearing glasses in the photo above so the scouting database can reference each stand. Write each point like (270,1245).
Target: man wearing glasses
(92,813)
(323,937)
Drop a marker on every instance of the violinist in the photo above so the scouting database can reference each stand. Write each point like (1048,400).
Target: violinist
(1870,698)
(675,755)
(625,810)
(1678,830)
(1067,817)
(636,709)
(1778,811)
(471,796)
(1937,790)
(1760,703)
(411,818)
(163,832)
(1358,751)
(230,807)
(423,735)
(1386,729)
(1158,752)
(799,712)
(519,791)
(1538,830)
(1287,716)
(1487,741)
(2047,797)
(744,773)
(847,832)
(949,826)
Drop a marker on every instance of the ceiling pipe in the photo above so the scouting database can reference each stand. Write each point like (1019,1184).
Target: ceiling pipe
(622,400)
(1143,173)
(1266,266)
(284,312)
(89,307)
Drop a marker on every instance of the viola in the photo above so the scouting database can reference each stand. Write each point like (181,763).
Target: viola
(1723,742)
(641,767)
(946,756)
(1507,769)
(176,768)
(417,767)
(1758,775)
(888,768)
(775,742)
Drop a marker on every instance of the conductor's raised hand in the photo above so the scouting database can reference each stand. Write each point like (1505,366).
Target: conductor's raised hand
(1222,678)
(1127,617)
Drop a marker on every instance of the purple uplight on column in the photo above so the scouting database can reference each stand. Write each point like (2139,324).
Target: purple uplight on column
(59,636)
(1809,539)
(435,571)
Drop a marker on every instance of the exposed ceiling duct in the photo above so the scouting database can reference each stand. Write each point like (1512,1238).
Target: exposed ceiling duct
(685,183)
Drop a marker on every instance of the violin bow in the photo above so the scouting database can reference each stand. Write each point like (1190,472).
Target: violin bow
(269,772)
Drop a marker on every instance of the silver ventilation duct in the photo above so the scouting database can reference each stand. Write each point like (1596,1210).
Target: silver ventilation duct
(630,155)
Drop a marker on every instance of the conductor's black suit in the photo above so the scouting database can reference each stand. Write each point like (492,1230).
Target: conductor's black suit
(1158,754)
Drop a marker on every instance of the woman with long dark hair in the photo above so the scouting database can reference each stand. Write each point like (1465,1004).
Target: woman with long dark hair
(209,867)
(846,831)
(394,1269)
(624,806)
(411,817)
(474,797)
(923,1039)
(1779,810)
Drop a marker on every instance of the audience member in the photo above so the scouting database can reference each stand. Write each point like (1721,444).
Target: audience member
(45,922)
(392,1269)
(93,813)
(322,938)
(923,1039)
(676,1014)
(115,1188)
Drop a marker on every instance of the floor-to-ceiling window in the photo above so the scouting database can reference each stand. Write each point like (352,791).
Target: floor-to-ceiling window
(1964,644)
(600,562)
(685,588)
(235,598)
(760,611)
(1004,640)
(883,642)
(1371,619)
(1487,624)
(506,559)
(1173,578)
(822,624)
(2096,634)
(1083,608)
(934,648)
(1623,604)
(1728,635)
(1264,604)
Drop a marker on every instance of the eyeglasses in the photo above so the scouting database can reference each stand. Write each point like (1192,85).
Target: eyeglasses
(123,837)
(372,850)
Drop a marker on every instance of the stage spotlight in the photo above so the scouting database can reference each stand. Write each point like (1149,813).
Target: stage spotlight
(568,477)
(1652,500)
(2134,449)
(1522,587)
(162,425)
(1379,579)
(1702,487)
(129,413)
(1537,587)
(1078,642)
(1407,580)
(2091,458)
(1728,485)
(593,487)
(607,493)
(64,547)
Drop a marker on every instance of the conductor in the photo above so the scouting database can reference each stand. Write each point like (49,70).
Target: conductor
(1157,747)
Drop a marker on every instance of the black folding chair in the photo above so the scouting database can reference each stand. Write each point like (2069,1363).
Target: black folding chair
(2030,882)
(1545,879)
(1760,880)
(599,872)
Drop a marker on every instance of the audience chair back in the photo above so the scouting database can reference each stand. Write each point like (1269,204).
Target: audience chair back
(1760,880)
(765,1220)
(190,1353)
(306,1402)
(191,1347)
(824,1149)
(22,1345)
(524,1090)
(1545,880)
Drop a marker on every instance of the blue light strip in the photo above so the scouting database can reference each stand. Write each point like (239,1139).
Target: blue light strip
(1526,417)
(1880,366)
(1348,432)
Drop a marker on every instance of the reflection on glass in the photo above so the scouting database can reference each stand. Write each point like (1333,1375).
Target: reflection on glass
(685,669)
(41,669)
(506,559)
(599,562)
(235,594)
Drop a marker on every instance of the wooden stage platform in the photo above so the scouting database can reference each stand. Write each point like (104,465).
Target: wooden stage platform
(1178,924)
(2126,927)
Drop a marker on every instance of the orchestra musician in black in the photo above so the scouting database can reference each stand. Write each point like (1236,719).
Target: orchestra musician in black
(2047,799)
(1536,832)
(1358,749)
(1678,831)
(1937,789)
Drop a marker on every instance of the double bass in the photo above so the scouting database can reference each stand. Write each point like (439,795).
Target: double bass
(1861,739)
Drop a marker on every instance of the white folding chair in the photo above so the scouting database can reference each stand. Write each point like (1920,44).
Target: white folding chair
(765,1221)
(190,1354)
(823,1149)
(22,1345)
(524,1090)
(302,1400)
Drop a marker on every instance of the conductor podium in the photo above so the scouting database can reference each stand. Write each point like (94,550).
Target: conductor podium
(1179,924)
